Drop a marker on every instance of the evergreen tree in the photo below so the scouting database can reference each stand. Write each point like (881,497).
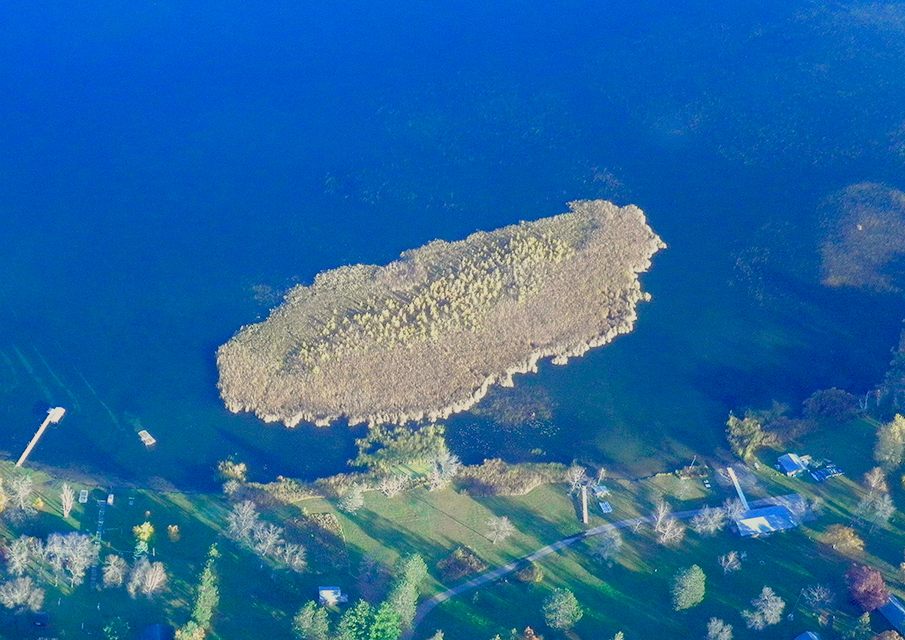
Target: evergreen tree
(355,623)
(688,588)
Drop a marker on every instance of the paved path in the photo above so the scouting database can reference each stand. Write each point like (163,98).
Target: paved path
(495,574)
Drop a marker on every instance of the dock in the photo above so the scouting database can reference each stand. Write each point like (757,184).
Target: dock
(147,438)
(54,415)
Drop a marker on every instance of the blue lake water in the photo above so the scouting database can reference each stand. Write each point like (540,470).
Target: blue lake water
(166,167)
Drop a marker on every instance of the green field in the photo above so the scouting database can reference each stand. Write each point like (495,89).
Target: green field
(630,593)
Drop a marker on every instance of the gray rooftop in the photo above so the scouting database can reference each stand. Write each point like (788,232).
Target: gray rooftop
(765,520)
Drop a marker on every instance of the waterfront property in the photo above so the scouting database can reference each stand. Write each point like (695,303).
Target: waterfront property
(791,464)
(764,521)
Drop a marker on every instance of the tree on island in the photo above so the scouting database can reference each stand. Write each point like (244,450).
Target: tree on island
(562,610)
(688,588)
(867,587)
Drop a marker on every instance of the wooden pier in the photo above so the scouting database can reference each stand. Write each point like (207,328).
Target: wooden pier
(54,415)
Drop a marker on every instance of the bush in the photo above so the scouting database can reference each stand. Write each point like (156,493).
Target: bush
(497,478)
(832,404)
(463,561)
(531,574)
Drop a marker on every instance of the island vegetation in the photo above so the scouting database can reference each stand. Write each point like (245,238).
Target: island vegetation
(426,336)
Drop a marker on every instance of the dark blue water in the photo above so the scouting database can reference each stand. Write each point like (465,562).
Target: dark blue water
(162,160)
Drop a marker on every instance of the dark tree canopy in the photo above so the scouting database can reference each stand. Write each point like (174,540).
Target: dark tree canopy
(867,587)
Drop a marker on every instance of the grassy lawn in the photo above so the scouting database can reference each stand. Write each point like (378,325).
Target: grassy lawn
(254,599)
(632,593)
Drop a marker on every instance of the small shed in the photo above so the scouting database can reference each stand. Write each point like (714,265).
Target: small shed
(894,612)
(791,464)
(331,596)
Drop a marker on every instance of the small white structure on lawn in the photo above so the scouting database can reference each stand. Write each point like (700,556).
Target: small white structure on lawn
(791,464)
(331,596)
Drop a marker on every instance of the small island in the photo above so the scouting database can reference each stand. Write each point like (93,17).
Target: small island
(426,335)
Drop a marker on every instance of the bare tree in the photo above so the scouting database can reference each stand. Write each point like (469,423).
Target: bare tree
(662,511)
(114,571)
(882,511)
(877,509)
(21,593)
(353,500)
(734,508)
(709,520)
(444,468)
(672,532)
(293,555)
(70,555)
(22,488)
(266,537)
(242,520)
(19,553)
(67,499)
(730,562)
(818,597)
(607,545)
(575,476)
(81,553)
(767,610)
(499,528)
(146,578)
(392,484)
(668,529)
(718,630)
(875,481)
(231,487)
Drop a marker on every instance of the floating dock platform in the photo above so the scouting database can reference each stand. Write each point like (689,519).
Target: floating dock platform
(147,438)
